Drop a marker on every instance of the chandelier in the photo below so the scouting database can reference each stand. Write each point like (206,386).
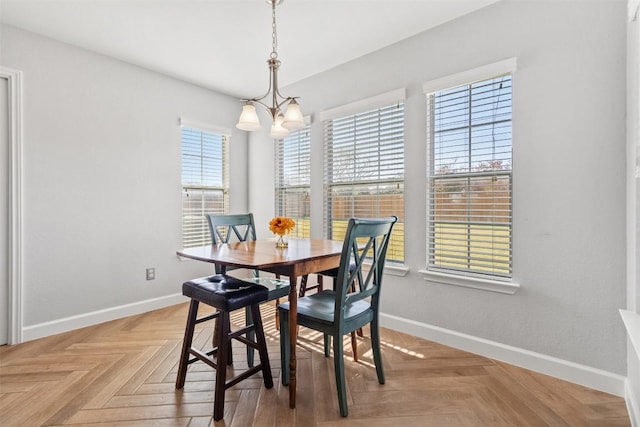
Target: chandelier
(281,123)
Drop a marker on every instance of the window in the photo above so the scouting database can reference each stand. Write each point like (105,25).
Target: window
(364,168)
(293,179)
(469,221)
(204,182)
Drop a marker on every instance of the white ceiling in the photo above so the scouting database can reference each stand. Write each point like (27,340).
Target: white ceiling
(224,44)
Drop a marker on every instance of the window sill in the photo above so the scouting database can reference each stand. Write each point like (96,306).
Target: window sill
(393,269)
(470,282)
(396,270)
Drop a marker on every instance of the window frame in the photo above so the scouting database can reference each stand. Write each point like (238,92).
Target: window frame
(302,138)
(489,282)
(383,104)
(201,225)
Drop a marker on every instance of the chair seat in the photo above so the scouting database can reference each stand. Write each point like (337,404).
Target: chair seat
(320,307)
(225,292)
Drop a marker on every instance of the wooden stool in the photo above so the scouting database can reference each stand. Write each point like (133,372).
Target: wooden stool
(226,294)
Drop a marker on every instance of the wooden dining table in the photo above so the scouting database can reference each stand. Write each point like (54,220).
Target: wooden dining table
(302,256)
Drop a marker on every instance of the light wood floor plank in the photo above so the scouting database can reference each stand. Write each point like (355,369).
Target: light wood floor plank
(122,373)
(119,376)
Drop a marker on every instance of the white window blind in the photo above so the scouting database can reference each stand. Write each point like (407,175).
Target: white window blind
(364,171)
(204,182)
(469,220)
(293,179)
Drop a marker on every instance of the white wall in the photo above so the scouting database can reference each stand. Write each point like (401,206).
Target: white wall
(261,178)
(569,178)
(102,193)
(633,205)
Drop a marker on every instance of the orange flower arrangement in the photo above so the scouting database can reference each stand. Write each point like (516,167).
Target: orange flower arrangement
(281,225)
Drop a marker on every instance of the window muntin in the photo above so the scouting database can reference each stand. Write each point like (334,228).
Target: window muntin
(204,182)
(469,222)
(364,171)
(293,180)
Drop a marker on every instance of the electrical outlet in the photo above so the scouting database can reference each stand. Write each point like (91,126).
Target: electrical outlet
(151,273)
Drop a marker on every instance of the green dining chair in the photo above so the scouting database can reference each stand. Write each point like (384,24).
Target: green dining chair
(241,228)
(338,312)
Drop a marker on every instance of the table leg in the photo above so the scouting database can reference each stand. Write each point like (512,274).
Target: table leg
(293,338)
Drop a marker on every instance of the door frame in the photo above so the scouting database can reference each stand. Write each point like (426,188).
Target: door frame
(15,120)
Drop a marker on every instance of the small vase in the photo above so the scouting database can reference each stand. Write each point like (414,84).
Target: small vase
(282,241)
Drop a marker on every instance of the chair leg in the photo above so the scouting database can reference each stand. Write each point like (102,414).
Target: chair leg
(354,346)
(277,315)
(377,352)
(338,362)
(250,336)
(354,341)
(186,343)
(327,345)
(230,348)
(262,346)
(284,346)
(215,339)
(303,286)
(221,371)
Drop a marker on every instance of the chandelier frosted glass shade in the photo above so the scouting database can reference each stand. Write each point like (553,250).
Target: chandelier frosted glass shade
(277,131)
(293,119)
(248,118)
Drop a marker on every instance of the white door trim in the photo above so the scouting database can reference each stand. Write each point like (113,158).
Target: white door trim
(14,78)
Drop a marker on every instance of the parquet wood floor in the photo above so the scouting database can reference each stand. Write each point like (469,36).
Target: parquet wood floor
(122,373)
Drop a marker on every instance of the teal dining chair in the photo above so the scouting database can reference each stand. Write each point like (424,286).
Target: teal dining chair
(354,303)
(241,228)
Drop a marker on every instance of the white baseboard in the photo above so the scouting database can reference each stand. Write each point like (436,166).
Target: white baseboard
(88,319)
(559,368)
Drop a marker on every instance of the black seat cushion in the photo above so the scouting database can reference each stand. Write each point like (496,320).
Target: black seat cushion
(225,292)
